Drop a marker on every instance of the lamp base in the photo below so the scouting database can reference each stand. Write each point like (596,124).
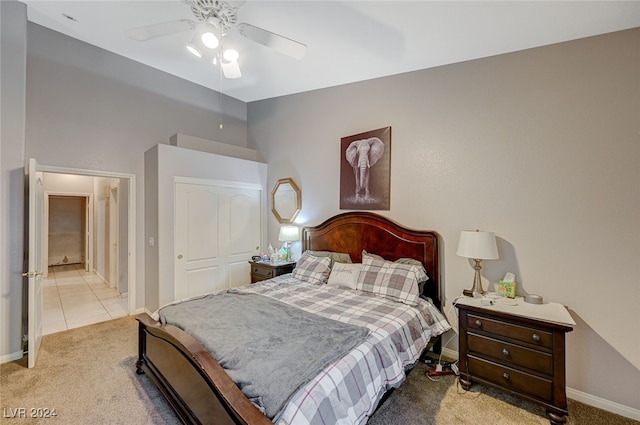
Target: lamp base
(476,289)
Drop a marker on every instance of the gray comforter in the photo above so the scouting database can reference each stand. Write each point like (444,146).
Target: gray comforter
(267,347)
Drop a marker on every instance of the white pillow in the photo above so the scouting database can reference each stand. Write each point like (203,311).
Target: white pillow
(345,274)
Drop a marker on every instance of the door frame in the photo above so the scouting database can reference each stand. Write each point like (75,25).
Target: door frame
(114,233)
(131,221)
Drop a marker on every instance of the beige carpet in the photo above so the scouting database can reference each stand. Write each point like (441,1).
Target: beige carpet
(88,376)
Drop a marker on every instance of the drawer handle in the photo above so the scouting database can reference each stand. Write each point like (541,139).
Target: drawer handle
(536,337)
(478,323)
(506,376)
(505,352)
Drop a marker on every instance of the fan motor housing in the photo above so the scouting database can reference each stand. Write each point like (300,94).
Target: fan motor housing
(220,10)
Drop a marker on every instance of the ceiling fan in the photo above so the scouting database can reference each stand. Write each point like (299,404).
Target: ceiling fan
(214,18)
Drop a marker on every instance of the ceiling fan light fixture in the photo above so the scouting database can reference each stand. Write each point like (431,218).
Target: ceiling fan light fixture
(194,50)
(231,70)
(231,55)
(210,40)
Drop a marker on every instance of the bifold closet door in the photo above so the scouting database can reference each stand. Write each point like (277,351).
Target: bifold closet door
(217,229)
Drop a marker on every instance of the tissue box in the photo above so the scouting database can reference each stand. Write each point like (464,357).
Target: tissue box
(507,289)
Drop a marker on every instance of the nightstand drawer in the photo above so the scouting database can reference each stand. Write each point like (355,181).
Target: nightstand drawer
(531,336)
(263,272)
(506,377)
(509,353)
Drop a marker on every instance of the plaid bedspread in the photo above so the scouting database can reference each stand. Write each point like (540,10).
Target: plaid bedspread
(348,391)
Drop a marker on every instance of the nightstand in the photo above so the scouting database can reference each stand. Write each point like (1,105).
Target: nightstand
(263,270)
(518,349)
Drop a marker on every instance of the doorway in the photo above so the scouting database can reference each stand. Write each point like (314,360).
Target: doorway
(86,241)
(66,227)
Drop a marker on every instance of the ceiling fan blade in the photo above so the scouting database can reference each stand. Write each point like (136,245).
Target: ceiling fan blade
(231,70)
(149,32)
(277,42)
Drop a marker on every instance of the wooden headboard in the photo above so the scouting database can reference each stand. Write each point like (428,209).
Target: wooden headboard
(352,232)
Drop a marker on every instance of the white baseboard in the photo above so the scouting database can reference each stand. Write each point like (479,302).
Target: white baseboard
(11,357)
(582,397)
(452,354)
(601,403)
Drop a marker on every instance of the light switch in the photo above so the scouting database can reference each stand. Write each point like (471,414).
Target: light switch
(152,241)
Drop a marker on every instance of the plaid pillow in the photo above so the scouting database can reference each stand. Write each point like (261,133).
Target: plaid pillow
(312,269)
(396,281)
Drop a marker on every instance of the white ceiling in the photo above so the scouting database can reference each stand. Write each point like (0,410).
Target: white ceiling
(347,41)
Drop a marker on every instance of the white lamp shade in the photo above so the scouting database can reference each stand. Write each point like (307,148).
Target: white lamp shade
(477,245)
(288,234)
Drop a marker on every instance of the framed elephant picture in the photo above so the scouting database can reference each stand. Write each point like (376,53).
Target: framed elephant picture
(365,170)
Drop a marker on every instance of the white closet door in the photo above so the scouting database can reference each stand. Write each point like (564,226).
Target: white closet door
(217,230)
(244,234)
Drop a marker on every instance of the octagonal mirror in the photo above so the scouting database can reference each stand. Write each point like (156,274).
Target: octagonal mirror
(286,200)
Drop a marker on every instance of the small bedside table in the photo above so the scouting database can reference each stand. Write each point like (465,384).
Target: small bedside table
(517,349)
(263,270)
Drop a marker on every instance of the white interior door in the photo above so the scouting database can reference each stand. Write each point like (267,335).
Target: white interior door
(36,260)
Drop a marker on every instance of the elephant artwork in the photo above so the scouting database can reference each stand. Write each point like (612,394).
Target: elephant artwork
(365,170)
(362,155)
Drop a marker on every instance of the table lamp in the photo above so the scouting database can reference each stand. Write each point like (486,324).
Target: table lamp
(478,246)
(287,235)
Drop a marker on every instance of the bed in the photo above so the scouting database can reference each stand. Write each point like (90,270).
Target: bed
(201,391)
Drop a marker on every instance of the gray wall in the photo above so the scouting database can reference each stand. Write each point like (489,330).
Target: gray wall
(540,146)
(13,51)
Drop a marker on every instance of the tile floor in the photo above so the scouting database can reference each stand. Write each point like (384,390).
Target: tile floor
(74,297)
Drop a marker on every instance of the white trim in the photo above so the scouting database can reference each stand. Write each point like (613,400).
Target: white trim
(11,357)
(449,353)
(601,403)
(131,216)
(217,182)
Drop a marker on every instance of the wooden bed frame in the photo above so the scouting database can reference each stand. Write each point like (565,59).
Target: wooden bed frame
(199,389)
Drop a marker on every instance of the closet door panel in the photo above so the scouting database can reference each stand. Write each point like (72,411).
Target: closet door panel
(244,233)
(199,267)
(239,273)
(202,281)
(202,224)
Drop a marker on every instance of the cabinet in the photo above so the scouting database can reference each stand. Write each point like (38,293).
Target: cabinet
(199,241)
(518,349)
(263,271)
